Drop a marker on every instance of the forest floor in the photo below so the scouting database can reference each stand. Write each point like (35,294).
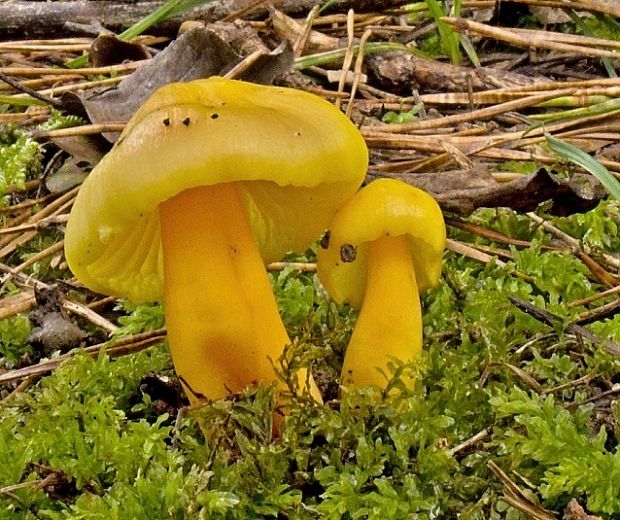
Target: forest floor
(508,113)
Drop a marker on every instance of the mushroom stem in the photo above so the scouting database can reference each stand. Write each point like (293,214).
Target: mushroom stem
(223,324)
(389,324)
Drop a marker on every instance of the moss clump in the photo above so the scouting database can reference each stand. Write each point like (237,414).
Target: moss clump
(20,158)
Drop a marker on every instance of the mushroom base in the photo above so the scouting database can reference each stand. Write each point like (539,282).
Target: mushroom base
(223,323)
(390,320)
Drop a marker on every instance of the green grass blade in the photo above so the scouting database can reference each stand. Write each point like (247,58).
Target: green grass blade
(573,154)
(449,38)
(170,8)
(161,13)
(469,50)
(21,101)
(331,56)
(605,107)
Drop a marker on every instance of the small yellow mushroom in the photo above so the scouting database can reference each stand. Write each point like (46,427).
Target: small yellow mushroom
(382,250)
(211,180)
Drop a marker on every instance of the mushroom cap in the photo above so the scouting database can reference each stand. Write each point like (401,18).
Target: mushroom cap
(295,157)
(385,207)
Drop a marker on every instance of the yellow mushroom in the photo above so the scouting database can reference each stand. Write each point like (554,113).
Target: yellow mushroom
(383,249)
(210,180)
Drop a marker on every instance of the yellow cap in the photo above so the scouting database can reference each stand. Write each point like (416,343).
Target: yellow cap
(385,207)
(295,157)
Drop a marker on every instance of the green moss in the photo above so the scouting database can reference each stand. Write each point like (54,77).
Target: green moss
(524,167)
(369,454)
(14,332)
(59,120)
(20,158)
(558,449)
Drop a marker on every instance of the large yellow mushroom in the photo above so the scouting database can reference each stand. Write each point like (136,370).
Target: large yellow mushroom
(382,249)
(210,180)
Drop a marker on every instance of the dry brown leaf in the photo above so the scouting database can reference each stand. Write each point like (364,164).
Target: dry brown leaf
(463,191)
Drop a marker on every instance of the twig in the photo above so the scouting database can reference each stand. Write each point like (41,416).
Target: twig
(41,224)
(301,41)
(299,266)
(584,301)
(471,252)
(348,57)
(475,115)
(516,498)
(574,243)
(54,248)
(528,38)
(245,64)
(488,233)
(54,208)
(601,312)
(548,318)
(607,393)
(116,348)
(577,382)
(90,315)
(27,90)
(19,389)
(78,130)
(473,440)
(85,71)
(357,71)
(594,6)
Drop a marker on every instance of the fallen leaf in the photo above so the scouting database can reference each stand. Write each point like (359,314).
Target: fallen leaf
(69,175)
(87,148)
(464,191)
(107,49)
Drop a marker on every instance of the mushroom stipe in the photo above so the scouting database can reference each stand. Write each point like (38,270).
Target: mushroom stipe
(223,322)
(397,235)
(390,320)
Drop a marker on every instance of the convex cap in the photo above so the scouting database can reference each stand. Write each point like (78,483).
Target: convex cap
(385,207)
(295,157)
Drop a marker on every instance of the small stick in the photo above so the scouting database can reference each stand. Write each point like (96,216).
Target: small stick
(13,305)
(550,319)
(471,252)
(116,348)
(302,40)
(357,71)
(87,71)
(488,233)
(529,39)
(593,298)
(90,315)
(41,224)
(613,391)
(516,498)
(27,90)
(573,242)
(603,311)
(244,64)
(54,248)
(473,440)
(20,388)
(482,113)
(29,47)
(299,266)
(348,57)
(79,130)
(55,207)
(577,382)
(593,6)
